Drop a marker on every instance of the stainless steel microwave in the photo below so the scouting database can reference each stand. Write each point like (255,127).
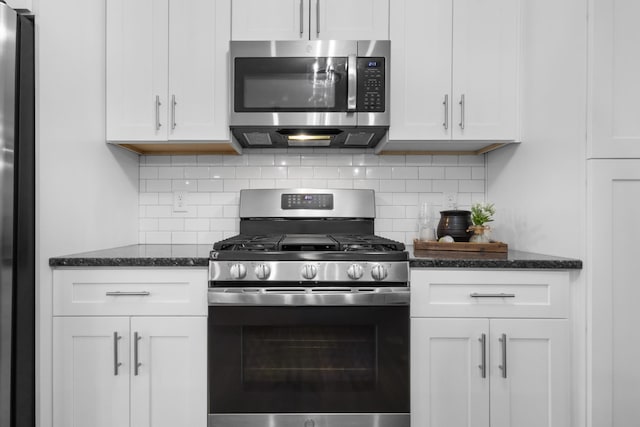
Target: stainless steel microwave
(329,93)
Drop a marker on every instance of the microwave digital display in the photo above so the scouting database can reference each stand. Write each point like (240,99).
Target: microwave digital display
(373,64)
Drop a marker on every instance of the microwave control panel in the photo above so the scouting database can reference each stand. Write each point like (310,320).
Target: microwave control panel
(371,84)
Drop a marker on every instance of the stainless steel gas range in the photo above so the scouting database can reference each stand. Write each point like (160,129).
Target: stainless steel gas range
(308,315)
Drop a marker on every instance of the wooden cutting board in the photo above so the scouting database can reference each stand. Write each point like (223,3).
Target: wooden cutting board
(497,247)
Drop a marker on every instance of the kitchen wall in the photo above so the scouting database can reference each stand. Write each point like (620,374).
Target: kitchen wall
(401,183)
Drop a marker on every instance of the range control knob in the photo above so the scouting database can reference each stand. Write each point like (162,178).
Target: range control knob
(355,271)
(263,271)
(238,271)
(309,271)
(378,272)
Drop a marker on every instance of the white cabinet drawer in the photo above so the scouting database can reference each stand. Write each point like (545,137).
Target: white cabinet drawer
(130,291)
(489,293)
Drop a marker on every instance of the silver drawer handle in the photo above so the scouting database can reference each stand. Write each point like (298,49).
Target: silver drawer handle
(128,294)
(502,295)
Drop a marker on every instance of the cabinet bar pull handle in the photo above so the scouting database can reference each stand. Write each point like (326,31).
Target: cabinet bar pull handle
(116,364)
(503,340)
(501,295)
(128,294)
(173,111)
(136,364)
(301,18)
(483,365)
(446,112)
(318,18)
(158,104)
(461,111)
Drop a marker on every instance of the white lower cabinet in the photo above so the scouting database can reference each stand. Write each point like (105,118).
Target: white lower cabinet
(130,370)
(488,371)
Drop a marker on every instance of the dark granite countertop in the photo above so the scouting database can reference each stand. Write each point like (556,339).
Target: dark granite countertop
(198,256)
(139,256)
(511,259)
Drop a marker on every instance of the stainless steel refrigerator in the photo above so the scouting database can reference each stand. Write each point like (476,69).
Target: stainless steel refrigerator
(17,219)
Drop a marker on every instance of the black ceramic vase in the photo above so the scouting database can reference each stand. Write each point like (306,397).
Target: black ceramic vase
(455,223)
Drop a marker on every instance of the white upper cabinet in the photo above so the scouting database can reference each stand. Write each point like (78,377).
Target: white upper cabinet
(614,89)
(167,70)
(455,70)
(310,20)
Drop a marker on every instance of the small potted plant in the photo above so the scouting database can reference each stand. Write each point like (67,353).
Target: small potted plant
(481,213)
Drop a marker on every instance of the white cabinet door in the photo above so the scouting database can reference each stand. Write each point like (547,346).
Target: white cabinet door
(612,263)
(447,384)
(615,65)
(169,385)
(485,69)
(90,371)
(535,392)
(270,20)
(455,70)
(349,19)
(420,33)
(137,69)
(310,19)
(198,70)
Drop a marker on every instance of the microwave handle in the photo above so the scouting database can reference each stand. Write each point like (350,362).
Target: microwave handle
(352,85)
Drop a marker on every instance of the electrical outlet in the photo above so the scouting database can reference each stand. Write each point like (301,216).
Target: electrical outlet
(450,200)
(180,201)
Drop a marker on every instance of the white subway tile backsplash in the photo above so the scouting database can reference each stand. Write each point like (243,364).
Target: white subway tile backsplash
(313,160)
(471,186)
(210,185)
(300,172)
(366,184)
(171,224)
(392,185)
(262,183)
(251,172)
(213,182)
(220,172)
(457,172)
(158,185)
(352,172)
(210,211)
(433,172)
(184,238)
(340,183)
(231,211)
(196,224)
(313,183)
(148,172)
(391,212)
(378,173)
(404,172)
(196,172)
(235,160)
(287,160)
(274,172)
(418,185)
(262,159)
(235,184)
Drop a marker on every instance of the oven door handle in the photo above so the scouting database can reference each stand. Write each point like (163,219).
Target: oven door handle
(309,296)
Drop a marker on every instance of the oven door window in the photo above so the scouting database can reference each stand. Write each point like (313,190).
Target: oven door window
(308,359)
(290,84)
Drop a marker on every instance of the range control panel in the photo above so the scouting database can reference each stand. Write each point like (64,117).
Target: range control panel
(307,201)
(371,84)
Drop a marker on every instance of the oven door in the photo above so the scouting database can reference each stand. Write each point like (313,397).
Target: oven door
(309,365)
